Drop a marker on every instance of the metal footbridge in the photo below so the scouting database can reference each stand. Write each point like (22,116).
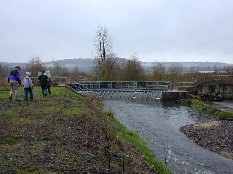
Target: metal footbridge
(130,90)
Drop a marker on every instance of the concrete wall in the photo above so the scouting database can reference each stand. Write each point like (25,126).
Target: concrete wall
(172,96)
(226,90)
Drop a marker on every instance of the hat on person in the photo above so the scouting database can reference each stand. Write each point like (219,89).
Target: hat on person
(18,67)
(28,73)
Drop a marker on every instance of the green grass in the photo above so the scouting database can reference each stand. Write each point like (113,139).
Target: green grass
(133,139)
(56,134)
(211,110)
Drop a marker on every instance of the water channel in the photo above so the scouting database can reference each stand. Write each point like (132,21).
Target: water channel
(158,123)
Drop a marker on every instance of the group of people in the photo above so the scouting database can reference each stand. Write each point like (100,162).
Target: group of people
(14,80)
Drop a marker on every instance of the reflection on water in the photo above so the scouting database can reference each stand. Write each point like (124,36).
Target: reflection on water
(158,123)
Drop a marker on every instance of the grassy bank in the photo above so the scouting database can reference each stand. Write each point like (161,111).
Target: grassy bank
(209,109)
(68,133)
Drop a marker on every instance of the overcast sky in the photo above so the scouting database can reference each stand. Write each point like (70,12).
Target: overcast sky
(156,30)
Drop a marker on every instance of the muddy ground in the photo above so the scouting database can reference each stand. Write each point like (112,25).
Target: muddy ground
(217,136)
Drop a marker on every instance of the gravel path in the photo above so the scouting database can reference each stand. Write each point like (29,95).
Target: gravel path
(216,136)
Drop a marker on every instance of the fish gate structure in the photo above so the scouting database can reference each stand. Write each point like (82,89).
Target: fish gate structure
(130,90)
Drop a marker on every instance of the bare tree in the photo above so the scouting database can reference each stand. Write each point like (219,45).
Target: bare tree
(175,71)
(35,65)
(133,69)
(106,64)
(3,74)
(158,71)
(228,70)
(59,70)
(102,44)
(176,68)
(3,70)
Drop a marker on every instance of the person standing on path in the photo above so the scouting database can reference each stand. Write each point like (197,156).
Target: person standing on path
(43,81)
(28,86)
(49,85)
(14,80)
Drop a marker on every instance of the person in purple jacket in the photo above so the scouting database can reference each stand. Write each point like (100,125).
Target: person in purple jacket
(14,80)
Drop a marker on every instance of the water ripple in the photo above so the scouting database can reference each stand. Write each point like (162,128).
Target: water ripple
(158,123)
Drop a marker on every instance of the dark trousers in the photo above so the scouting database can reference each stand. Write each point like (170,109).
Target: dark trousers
(44,90)
(26,91)
(49,90)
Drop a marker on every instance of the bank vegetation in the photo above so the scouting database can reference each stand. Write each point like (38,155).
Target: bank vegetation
(210,109)
(68,133)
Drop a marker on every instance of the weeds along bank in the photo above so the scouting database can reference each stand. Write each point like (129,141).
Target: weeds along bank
(209,109)
(68,133)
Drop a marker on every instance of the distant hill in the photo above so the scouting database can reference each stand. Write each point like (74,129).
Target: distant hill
(86,64)
(82,64)
(191,66)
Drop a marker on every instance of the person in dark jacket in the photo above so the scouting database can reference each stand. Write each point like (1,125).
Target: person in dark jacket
(43,81)
(14,80)
(49,85)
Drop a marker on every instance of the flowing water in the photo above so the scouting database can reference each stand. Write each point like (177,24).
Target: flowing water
(158,123)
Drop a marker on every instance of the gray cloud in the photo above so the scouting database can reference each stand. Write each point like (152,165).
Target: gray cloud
(163,30)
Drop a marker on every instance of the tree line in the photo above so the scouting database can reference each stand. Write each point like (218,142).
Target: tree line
(108,67)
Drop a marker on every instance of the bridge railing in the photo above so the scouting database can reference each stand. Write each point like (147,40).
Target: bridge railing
(182,86)
(153,85)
